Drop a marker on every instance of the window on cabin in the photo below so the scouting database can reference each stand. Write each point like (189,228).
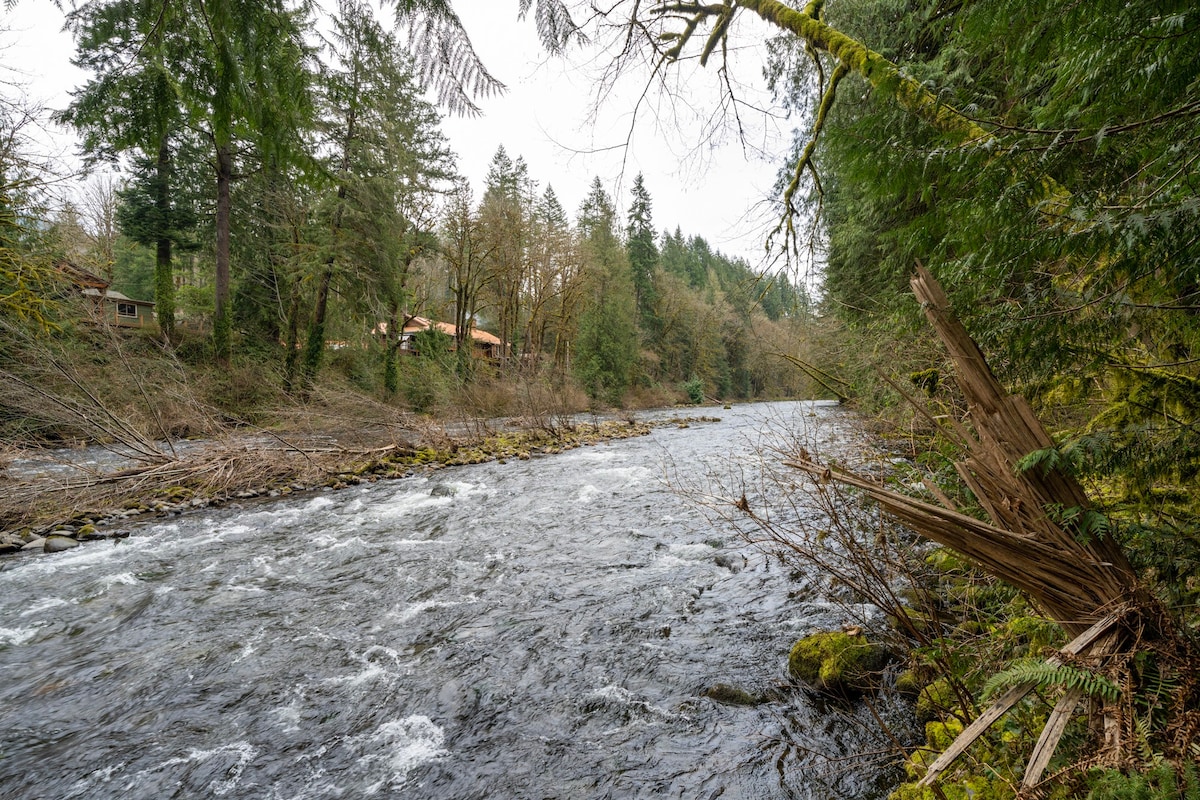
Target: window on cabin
(127,310)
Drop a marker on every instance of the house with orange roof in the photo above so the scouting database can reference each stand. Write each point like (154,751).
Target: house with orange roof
(484,344)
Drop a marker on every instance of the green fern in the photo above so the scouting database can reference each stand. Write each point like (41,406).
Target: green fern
(1048,459)
(1155,781)
(1046,675)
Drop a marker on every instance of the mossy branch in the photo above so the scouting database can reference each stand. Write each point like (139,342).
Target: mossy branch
(718,33)
(820,376)
(786,223)
(878,71)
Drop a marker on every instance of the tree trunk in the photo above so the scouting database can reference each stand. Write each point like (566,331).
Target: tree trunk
(1079,577)
(164,278)
(222,322)
(291,362)
(314,349)
(391,349)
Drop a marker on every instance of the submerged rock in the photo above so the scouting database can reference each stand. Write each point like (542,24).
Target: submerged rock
(734,562)
(89,533)
(728,695)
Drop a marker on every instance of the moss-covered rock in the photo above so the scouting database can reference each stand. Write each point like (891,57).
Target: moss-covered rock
(913,619)
(909,683)
(945,561)
(730,695)
(837,662)
(934,699)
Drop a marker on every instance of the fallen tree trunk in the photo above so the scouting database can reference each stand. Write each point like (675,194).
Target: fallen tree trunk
(1075,576)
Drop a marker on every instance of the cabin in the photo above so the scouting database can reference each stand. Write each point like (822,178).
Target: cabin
(115,308)
(484,344)
(111,307)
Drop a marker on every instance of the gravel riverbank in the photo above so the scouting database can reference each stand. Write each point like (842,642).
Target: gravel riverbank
(56,500)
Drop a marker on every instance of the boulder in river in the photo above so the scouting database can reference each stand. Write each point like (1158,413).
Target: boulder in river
(837,662)
(728,695)
(56,543)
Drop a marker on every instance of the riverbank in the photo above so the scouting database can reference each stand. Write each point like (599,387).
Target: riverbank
(569,625)
(56,499)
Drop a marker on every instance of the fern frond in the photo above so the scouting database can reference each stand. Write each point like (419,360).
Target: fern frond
(1045,675)
(1049,459)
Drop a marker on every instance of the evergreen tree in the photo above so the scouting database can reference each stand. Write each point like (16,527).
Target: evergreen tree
(642,251)
(388,157)
(234,69)
(154,212)
(128,48)
(26,275)
(606,345)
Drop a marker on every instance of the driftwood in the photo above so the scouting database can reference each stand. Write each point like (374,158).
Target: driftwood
(1082,581)
(1046,745)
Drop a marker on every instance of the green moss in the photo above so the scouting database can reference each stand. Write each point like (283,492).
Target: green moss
(1032,634)
(927,379)
(909,683)
(934,699)
(837,662)
(946,561)
(919,621)
(939,735)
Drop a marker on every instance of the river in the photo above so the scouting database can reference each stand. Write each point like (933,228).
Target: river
(533,629)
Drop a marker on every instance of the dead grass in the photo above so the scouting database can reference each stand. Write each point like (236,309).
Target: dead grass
(182,436)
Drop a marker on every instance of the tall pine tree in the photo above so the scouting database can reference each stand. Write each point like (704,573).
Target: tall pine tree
(642,252)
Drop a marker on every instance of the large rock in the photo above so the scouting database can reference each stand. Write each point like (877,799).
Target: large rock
(845,664)
(56,544)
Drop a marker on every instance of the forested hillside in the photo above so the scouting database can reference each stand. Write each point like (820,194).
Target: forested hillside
(1040,160)
(294,211)
(287,199)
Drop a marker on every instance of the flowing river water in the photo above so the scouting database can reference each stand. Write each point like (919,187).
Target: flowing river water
(546,628)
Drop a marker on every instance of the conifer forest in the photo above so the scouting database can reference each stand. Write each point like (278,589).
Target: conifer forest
(985,241)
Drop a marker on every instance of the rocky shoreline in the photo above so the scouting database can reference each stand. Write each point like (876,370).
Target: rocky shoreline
(115,511)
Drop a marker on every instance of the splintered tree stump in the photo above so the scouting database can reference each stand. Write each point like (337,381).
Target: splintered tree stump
(1083,581)
(1085,575)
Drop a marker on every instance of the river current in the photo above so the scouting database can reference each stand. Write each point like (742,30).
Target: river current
(548,628)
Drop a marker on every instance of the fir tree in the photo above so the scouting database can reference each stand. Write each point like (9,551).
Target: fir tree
(642,252)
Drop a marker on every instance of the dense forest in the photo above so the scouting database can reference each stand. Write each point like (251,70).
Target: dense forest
(286,199)
(1040,159)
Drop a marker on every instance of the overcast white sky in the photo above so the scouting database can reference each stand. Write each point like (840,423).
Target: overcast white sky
(711,185)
